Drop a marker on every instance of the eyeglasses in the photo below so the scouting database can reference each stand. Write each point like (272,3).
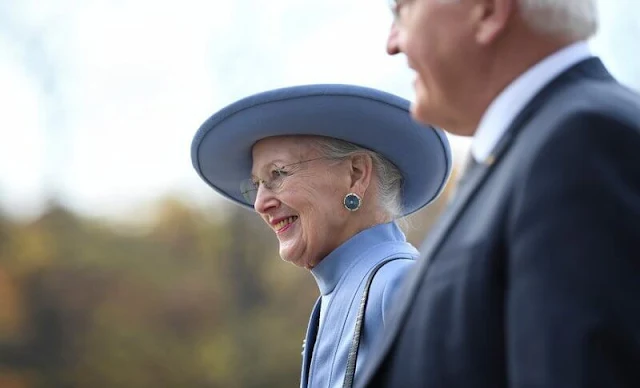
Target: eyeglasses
(396,6)
(277,176)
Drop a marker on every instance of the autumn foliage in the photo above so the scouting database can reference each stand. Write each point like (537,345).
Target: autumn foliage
(191,297)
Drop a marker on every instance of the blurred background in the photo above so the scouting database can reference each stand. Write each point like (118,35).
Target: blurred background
(118,266)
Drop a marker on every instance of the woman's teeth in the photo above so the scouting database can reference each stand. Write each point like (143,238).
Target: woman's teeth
(285,222)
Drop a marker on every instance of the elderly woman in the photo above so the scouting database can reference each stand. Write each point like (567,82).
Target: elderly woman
(330,168)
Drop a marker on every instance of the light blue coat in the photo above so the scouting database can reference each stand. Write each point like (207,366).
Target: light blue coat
(341,277)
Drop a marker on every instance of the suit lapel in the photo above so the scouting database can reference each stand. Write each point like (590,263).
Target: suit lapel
(472,182)
(464,194)
(468,186)
(477,174)
(309,342)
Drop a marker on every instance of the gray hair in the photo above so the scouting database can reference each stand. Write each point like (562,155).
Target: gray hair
(389,177)
(576,19)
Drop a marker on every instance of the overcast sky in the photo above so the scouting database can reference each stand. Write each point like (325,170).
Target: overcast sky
(102,97)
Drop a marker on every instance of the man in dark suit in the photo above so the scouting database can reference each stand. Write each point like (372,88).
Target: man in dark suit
(531,278)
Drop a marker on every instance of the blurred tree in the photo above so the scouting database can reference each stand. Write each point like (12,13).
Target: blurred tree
(198,297)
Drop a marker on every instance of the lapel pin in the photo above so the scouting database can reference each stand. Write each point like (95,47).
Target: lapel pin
(490,160)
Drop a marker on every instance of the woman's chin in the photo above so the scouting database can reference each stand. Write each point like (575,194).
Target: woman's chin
(287,254)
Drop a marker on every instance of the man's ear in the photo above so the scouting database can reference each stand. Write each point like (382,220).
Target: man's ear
(361,171)
(491,18)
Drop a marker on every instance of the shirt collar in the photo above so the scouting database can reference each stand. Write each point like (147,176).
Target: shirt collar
(335,265)
(513,99)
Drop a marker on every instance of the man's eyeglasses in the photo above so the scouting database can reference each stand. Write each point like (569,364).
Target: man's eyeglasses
(396,6)
(277,176)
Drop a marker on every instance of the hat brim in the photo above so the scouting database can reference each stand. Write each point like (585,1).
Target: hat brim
(376,120)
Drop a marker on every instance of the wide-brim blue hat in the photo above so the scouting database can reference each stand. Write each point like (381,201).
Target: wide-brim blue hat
(370,118)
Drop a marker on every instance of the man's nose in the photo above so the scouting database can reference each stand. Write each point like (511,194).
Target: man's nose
(393,47)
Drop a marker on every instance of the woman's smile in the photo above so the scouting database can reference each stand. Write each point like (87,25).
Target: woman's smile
(285,224)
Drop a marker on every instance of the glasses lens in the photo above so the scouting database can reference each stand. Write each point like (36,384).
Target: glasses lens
(393,6)
(249,190)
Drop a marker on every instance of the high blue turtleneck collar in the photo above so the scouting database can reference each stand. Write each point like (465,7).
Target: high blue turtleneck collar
(335,265)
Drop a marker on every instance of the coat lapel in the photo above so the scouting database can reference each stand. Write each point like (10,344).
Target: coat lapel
(476,176)
(473,181)
(308,343)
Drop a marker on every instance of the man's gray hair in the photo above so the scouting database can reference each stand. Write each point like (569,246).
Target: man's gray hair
(389,176)
(576,19)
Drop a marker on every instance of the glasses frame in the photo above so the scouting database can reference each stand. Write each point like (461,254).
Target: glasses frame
(396,7)
(249,187)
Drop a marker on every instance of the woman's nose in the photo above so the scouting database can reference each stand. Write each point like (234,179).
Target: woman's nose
(265,200)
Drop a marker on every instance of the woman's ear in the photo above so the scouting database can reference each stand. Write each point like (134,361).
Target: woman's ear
(361,170)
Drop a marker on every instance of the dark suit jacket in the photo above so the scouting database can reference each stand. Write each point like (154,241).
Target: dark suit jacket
(531,278)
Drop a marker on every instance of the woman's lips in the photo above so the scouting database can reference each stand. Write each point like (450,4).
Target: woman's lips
(285,224)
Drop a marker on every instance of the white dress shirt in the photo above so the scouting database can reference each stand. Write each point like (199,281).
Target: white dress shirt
(513,99)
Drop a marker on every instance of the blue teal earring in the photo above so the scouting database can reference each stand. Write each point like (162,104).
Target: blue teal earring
(352,202)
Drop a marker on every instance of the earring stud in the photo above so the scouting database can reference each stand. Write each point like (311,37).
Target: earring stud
(352,202)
